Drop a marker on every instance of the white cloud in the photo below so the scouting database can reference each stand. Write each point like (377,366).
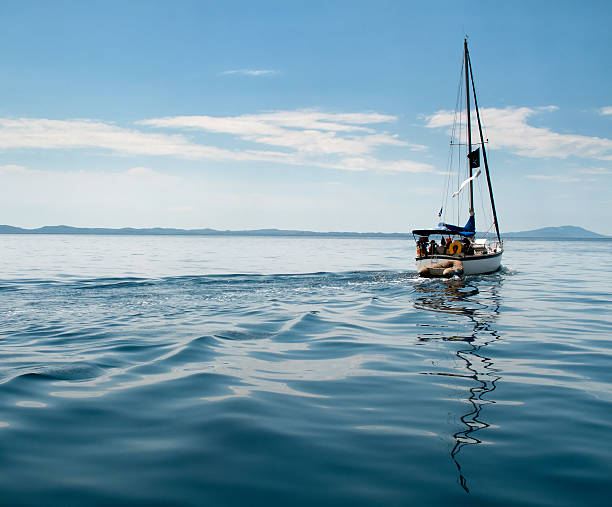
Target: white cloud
(132,175)
(249,72)
(596,171)
(559,178)
(509,128)
(251,124)
(312,137)
(55,134)
(71,134)
(373,164)
(306,138)
(9,169)
(606,111)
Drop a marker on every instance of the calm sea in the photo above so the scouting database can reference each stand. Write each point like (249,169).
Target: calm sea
(301,371)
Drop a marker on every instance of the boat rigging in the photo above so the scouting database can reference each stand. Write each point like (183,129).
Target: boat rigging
(460,251)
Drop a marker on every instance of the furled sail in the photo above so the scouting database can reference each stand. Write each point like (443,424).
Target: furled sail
(468,230)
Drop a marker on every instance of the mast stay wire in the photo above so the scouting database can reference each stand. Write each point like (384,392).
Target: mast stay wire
(487,215)
(456,132)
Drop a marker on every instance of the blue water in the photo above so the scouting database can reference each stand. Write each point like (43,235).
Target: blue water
(301,371)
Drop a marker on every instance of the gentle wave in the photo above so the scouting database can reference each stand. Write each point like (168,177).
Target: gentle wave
(350,387)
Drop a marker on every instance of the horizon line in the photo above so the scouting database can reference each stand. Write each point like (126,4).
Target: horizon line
(208,231)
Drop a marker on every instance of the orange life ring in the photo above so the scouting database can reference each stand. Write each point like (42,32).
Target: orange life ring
(454,248)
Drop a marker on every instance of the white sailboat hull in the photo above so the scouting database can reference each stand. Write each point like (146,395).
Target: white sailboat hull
(472,265)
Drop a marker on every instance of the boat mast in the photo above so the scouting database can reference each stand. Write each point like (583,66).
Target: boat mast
(484,151)
(469,126)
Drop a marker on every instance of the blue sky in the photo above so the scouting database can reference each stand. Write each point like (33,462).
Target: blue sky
(298,115)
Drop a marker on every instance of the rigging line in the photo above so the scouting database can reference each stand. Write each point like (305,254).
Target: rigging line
(481,200)
(486,210)
(458,151)
(486,215)
(451,151)
(457,124)
(461,172)
(468,65)
(449,165)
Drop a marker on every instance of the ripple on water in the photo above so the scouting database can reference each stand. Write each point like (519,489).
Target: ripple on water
(359,387)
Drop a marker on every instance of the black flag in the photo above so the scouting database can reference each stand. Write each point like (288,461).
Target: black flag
(474,157)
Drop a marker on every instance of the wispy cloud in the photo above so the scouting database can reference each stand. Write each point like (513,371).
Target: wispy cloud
(606,111)
(509,128)
(249,72)
(336,140)
(345,141)
(57,134)
(9,169)
(303,131)
(134,174)
(559,178)
(596,171)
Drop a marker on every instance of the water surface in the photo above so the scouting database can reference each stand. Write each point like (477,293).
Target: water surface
(249,371)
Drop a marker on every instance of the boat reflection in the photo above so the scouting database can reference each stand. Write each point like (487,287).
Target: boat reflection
(481,307)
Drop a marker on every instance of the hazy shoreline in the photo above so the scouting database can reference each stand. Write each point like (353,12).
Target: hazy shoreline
(561,233)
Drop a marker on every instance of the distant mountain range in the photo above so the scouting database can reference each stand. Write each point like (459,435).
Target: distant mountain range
(563,232)
(160,231)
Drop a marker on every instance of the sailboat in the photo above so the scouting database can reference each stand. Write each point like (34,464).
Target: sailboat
(460,251)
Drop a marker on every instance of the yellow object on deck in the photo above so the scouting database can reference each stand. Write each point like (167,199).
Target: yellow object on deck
(454,248)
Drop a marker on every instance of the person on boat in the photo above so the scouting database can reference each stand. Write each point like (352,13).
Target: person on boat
(432,247)
(448,241)
(422,247)
(467,247)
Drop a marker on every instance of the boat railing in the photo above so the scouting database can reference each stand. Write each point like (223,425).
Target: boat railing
(495,246)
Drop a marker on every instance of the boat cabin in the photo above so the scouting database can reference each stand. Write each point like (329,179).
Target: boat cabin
(437,242)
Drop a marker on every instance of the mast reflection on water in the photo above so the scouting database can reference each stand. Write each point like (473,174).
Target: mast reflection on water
(481,307)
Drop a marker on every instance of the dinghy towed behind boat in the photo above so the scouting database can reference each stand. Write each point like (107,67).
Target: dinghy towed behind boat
(459,251)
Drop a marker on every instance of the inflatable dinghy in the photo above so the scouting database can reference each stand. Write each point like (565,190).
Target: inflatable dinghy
(446,269)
